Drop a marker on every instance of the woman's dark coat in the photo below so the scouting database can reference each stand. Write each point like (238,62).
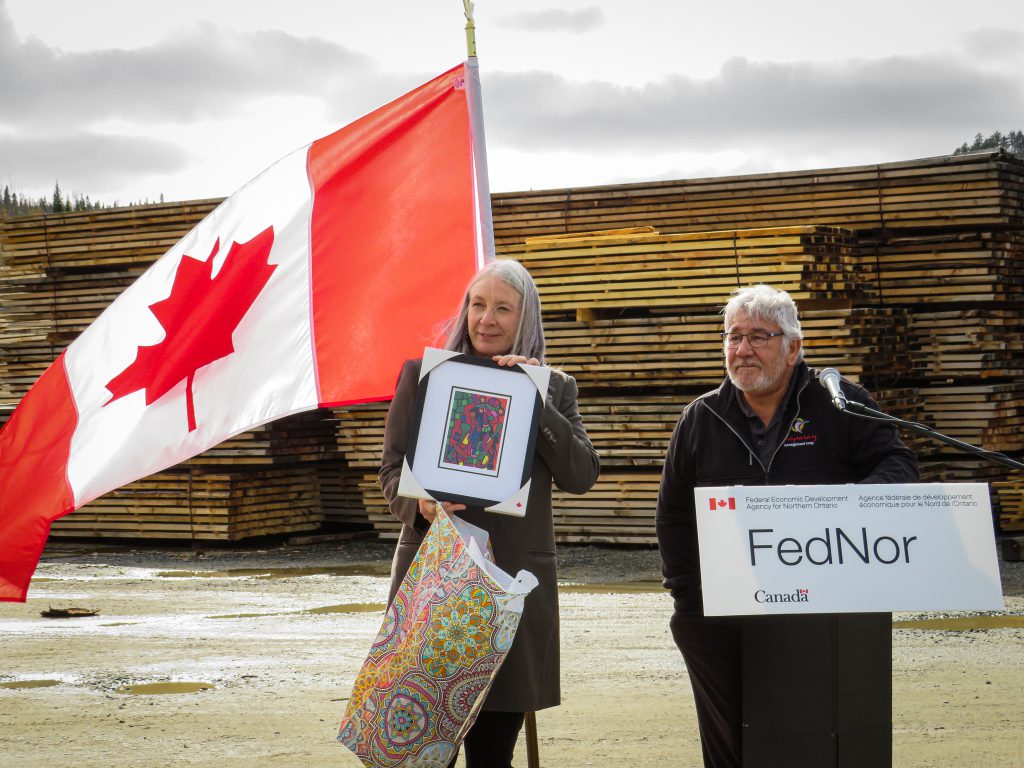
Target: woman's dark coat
(528,680)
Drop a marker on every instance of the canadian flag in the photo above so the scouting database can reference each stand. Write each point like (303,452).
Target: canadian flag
(729,503)
(306,288)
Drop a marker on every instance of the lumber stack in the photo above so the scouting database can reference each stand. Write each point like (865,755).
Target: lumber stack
(982,189)
(341,497)
(1010,493)
(979,344)
(200,505)
(278,478)
(989,416)
(945,266)
(302,437)
(642,268)
(633,430)
(619,509)
(685,350)
(360,437)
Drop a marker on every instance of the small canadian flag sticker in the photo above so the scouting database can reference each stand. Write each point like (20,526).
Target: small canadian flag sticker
(729,503)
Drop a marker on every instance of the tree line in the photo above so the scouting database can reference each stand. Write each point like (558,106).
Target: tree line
(1010,142)
(13,204)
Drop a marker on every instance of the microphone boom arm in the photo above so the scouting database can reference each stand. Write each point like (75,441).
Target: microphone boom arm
(855,408)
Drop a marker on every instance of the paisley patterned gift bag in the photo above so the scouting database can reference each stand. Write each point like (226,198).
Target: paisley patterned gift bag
(443,639)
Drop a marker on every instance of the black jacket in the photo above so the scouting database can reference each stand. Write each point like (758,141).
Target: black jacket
(711,446)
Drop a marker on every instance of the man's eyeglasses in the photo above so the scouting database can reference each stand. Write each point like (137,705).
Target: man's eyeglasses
(756,339)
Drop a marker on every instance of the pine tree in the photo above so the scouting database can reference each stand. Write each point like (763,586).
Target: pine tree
(57,203)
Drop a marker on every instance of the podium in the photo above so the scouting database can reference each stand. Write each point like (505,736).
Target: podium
(812,575)
(842,666)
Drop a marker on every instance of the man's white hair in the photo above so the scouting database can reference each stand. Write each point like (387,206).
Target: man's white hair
(762,302)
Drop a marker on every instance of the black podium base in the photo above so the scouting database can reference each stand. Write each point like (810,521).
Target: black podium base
(817,691)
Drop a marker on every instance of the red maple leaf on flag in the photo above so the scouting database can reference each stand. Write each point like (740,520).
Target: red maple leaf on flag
(199,318)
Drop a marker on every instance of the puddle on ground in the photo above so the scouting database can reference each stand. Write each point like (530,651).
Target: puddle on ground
(355,569)
(603,588)
(342,608)
(348,608)
(156,689)
(963,623)
(30,684)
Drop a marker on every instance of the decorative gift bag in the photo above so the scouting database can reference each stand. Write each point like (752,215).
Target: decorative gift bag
(442,641)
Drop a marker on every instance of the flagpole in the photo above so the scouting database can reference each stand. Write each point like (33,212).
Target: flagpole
(476,116)
(467,6)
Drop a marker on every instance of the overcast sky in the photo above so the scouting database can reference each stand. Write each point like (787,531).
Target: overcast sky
(128,100)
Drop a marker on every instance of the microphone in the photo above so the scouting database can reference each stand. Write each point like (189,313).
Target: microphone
(829,379)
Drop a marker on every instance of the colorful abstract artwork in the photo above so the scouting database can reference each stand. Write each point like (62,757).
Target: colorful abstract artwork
(475,431)
(443,639)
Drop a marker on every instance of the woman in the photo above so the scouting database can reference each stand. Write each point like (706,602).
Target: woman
(500,319)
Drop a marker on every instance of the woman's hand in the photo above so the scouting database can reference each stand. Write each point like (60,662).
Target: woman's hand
(428,508)
(509,360)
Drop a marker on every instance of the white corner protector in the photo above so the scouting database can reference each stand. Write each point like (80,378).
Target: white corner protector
(434,357)
(515,504)
(541,375)
(409,486)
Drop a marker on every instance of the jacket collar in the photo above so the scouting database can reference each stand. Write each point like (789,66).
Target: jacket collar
(725,399)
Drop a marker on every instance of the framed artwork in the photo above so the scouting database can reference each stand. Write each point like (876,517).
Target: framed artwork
(473,432)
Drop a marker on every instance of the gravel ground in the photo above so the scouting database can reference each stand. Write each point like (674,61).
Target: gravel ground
(278,633)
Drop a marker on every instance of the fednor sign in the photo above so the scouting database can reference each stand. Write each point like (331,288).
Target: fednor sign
(847,548)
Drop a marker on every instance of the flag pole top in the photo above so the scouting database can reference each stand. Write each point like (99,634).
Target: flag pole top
(467,6)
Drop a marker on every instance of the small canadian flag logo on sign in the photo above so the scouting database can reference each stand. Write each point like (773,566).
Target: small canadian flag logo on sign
(729,503)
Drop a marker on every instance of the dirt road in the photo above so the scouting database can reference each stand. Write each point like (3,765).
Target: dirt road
(276,636)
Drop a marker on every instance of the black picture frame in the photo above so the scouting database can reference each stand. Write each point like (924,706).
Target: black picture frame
(473,432)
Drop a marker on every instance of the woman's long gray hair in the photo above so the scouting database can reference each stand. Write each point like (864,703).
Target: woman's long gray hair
(529,340)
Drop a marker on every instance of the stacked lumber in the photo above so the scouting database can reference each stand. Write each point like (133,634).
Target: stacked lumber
(361,433)
(979,344)
(642,268)
(665,350)
(940,267)
(619,509)
(988,416)
(341,496)
(386,525)
(202,505)
(360,437)
(981,189)
(1010,493)
(301,437)
(903,403)
(631,431)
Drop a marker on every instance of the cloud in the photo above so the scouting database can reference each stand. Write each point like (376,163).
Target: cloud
(87,162)
(199,72)
(992,42)
(554,20)
(759,105)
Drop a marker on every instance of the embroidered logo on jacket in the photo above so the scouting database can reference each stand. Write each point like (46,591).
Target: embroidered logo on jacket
(796,437)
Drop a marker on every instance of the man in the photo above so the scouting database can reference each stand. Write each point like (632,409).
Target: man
(753,430)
